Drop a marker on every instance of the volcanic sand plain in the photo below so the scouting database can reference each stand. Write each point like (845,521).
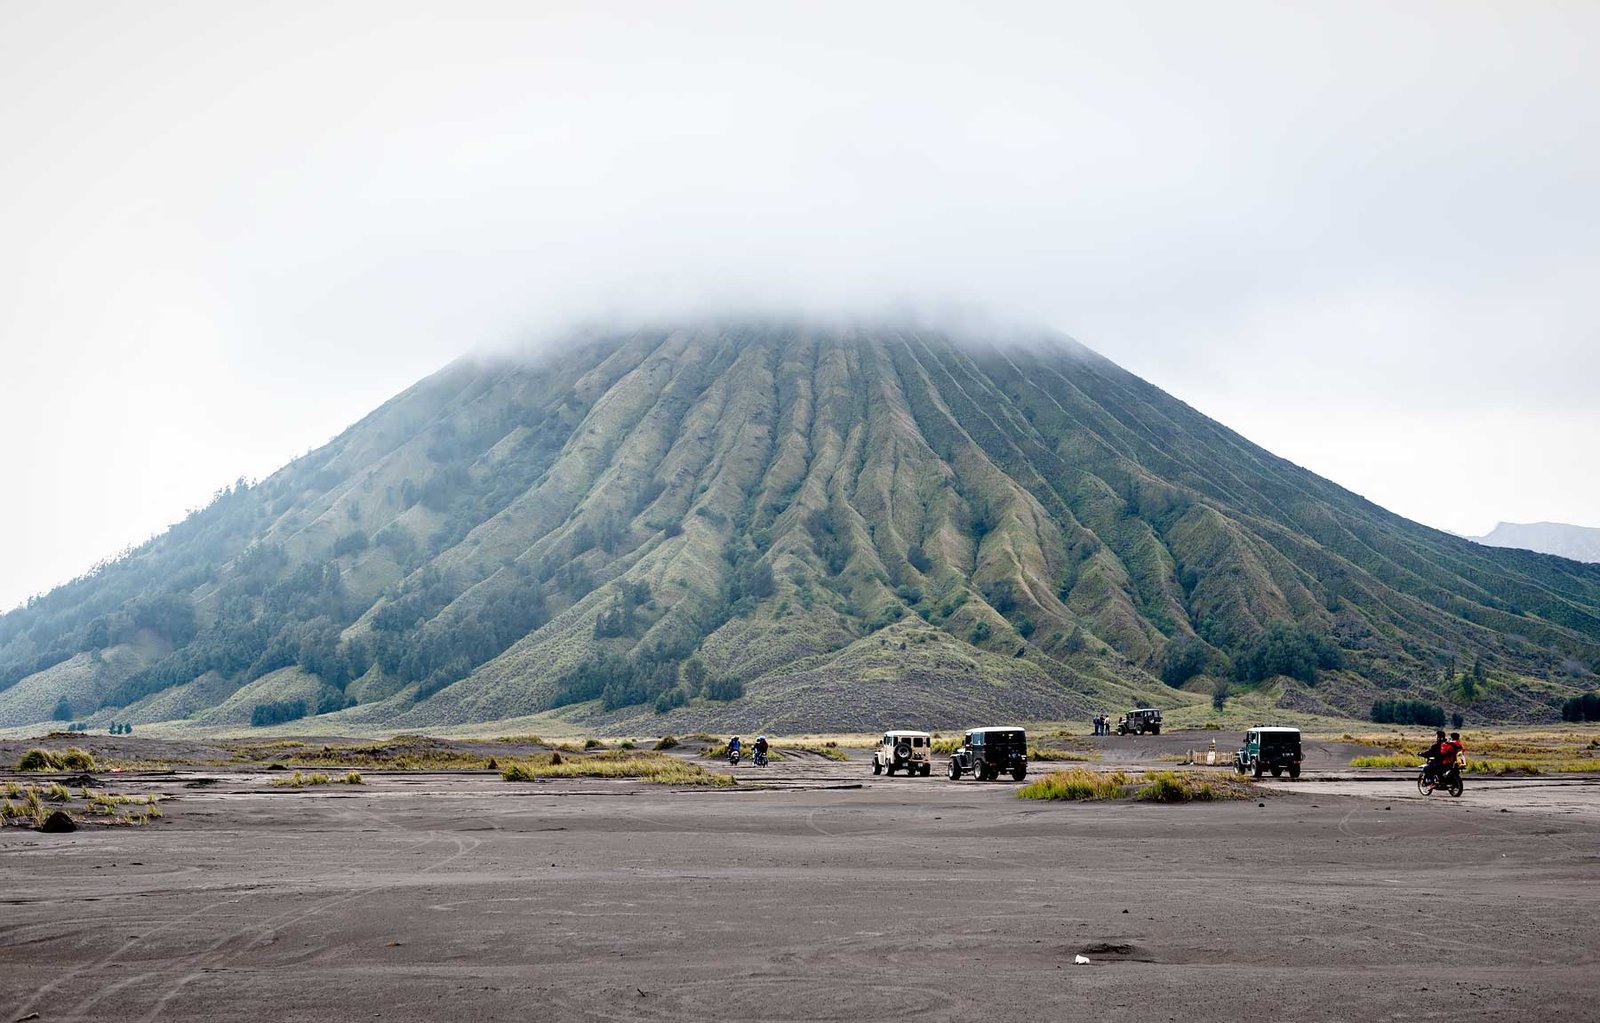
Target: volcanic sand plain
(811,891)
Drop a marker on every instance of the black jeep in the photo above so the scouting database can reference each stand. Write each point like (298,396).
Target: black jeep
(1145,719)
(987,752)
(1269,749)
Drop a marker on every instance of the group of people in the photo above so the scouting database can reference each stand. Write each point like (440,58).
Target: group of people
(1443,756)
(1102,724)
(761,746)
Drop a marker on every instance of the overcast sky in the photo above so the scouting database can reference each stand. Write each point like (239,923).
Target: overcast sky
(1366,236)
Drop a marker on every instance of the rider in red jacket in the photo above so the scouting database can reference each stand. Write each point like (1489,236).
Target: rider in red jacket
(1434,755)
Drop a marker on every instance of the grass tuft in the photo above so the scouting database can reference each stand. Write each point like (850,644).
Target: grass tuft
(667,742)
(354,778)
(640,766)
(1040,753)
(1076,783)
(73,759)
(1192,786)
(1387,760)
(1081,784)
(300,781)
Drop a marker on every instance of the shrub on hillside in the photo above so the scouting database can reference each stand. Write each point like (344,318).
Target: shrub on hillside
(1182,660)
(1582,708)
(724,689)
(277,712)
(1408,712)
(1285,648)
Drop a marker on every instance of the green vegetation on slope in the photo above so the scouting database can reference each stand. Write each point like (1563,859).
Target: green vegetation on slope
(749,524)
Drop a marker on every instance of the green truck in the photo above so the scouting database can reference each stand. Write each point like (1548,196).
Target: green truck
(1269,749)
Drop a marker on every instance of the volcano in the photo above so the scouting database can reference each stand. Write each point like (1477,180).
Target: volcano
(780,524)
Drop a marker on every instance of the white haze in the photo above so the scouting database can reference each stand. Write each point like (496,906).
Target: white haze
(1365,235)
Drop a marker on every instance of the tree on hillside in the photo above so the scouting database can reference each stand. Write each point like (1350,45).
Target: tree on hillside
(1182,660)
(1582,708)
(1285,648)
(63,711)
(1219,694)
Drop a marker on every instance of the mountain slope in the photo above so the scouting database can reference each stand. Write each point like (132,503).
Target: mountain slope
(847,526)
(1580,543)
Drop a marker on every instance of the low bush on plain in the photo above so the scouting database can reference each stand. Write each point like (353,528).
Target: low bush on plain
(640,766)
(1191,786)
(830,751)
(73,759)
(1081,784)
(1391,760)
(1038,753)
(300,781)
(1076,783)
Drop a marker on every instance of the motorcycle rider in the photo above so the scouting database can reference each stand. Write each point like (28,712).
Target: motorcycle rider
(761,746)
(733,746)
(1450,754)
(1434,755)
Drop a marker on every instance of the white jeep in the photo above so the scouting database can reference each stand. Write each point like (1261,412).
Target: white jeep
(911,752)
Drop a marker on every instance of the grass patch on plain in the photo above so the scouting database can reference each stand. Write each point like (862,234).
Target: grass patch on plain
(402,753)
(31,805)
(826,750)
(1487,754)
(635,765)
(72,759)
(1083,785)
(1386,760)
(1076,783)
(297,780)
(1046,754)
(1192,787)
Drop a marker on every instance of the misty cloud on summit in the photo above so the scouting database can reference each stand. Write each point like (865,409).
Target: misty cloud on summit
(1332,229)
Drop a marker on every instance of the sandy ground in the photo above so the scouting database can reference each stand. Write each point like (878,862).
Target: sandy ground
(455,896)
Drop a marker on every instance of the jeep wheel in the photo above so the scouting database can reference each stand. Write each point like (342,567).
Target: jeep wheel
(1258,769)
(927,769)
(1277,772)
(1019,773)
(1238,767)
(890,769)
(877,768)
(954,771)
(1155,729)
(1294,770)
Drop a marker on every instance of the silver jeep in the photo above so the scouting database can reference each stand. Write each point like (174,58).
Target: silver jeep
(911,752)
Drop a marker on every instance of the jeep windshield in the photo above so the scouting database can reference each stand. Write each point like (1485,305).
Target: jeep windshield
(1002,739)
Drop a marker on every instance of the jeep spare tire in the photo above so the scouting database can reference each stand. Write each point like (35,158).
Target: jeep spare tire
(902,751)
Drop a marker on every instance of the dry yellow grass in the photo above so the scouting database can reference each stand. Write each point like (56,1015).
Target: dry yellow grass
(637,765)
(1552,751)
(1081,784)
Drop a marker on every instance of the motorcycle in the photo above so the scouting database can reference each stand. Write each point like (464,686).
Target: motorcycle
(733,758)
(761,759)
(1448,778)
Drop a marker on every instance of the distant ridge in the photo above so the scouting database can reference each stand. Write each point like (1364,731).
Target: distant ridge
(1580,543)
(778,524)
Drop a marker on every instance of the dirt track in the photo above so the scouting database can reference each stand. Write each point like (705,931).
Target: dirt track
(461,897)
